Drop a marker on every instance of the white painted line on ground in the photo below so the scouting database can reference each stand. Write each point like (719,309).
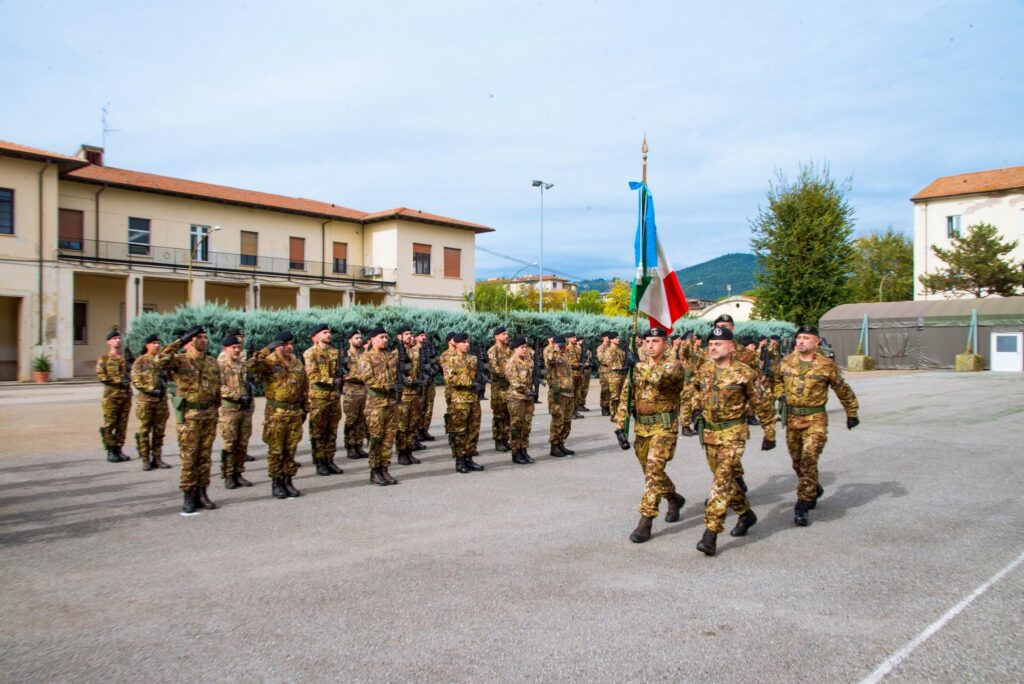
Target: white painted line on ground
(899,656)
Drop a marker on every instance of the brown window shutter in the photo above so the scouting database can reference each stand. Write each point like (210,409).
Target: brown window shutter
(297,249)
(250,243)
(71,225)
(452,262)
(341,250)
(417,248)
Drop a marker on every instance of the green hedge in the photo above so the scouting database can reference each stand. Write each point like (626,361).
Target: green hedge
(260,326)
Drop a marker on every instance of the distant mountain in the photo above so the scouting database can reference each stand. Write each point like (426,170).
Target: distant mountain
(736,270)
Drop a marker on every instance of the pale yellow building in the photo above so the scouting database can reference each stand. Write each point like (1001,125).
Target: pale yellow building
(85,247)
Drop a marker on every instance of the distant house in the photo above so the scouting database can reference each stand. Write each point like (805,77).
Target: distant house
(525,284)
(951,204)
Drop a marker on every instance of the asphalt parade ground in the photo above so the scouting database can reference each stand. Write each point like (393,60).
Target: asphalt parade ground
(912,568)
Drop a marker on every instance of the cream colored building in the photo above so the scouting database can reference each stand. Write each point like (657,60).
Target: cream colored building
(740,307)
(525,284)
(952,204)
(86,247)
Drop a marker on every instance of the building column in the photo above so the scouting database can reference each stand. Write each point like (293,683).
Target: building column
(252,297)
(133,298)
(302,298)
(198,295)
(64,347)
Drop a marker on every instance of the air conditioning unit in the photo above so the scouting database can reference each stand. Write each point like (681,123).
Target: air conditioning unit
(372,271)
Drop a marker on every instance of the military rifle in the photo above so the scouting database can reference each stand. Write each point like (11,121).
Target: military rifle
(250,381)
(402,369)
(342,368)
(129,361)
(538,369)
(483,373)
(428,369)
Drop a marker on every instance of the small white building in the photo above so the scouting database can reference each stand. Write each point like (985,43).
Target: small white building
(951,204)
(740,307)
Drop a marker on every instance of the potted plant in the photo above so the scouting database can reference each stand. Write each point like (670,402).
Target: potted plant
(41,367)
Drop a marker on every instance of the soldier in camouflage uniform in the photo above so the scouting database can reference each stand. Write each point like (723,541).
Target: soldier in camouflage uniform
(285,387)
(443,359)
(518,371)
(464,409)
(114,371)
(151,406)
(655,395)
(427,393)
(409,418)
(236,409)
(561,399)
(574,356)
(602,375)
(323,379)
(691,361)
(806,377)
(719,394)
(498,355)
(355,400)
(378,371)
(616,361)
(197,380)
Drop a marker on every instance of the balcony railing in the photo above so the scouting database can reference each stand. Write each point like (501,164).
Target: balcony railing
(219,262)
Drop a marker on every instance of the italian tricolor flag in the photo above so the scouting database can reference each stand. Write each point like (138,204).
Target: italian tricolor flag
(656,290)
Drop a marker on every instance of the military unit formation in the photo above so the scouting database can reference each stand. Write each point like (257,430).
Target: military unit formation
(665,386)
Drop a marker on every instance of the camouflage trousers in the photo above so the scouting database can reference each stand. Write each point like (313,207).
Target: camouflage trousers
(615,383)
(195,442)
(116,405)
(724,462)
(654,449)
(464,426)
(381,424)
(580,385)
(427,405)
(500,414)
(355,418)
(602,379)
(324,416)
(235,426)
(408,420)
(520,412)
(447,407)
(560,406)
(152,414)
(806,437)
(282,431)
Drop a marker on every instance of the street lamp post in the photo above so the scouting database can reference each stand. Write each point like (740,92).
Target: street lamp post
(511,280)
(192,257)
(543,186)
(882,283)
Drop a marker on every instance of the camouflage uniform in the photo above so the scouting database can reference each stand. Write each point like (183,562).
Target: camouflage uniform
(285,387)
(724,395)
(236,409)
(574,355)
(750,358)
(197,380)
(519,373)
(409,408)
(324,402)
(602,375)
(616,360)
(561,400)
(806,390)
(377,370)
(443,360)
(355,402)
(464,409)
(656,386)
(112,371)
(428,392)
(499,355)
(150,408)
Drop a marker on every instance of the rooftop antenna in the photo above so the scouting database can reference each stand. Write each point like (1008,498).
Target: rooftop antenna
(106,124)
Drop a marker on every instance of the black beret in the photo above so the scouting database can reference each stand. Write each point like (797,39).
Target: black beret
(420,332)
(558,339)
(518,342)
(353,334)
(112,334)
(720,334)
(568,335)
(724,318)
(230,339)
(319,329)
(775,338)
(656,332)
(152,338)
(460,337)
(402,329)
(179,333)
(613,335)
(448,337)
(807,330)
(500,329)
(378,330)
(236,331)
(284,336)
(189,334)
(745,340)
(688,335)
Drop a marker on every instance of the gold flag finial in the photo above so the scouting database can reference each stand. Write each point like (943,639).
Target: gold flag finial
(643,149)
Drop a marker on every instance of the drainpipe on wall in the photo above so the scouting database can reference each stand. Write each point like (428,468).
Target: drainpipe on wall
(137,304)
(96,219)
(323,248)
(39,339)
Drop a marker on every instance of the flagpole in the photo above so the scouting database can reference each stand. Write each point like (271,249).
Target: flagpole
(643,266)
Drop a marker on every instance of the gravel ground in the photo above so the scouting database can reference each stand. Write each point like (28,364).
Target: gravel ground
(521,573)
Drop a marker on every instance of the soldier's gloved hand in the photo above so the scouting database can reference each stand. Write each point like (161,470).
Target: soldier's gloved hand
(767,444)
(620,435)
(852,422)
(191,333)
(695,418)
(631,360)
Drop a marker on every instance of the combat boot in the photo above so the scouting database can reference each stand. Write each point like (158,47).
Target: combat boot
(526,455)
(687,431)
(517,457)
(351,453)
(188,504)
(811,505)
(417,445)
(121,455)
(241,481)
(675,504)
(605,411)
(565,451)
(412,459)
(583,408)
(741,483)
(708,544)
(248,458)
(576,413)
(472,465)
(555,451)
(425,436)
(229,482)
(202,500)
(800,514)
(500,445)
(361,451)
(277,489)
(112,455)
(376,477)
(752,420)
(286,482)
(460,465)
(387,476)
(404,458)
(333,467)
(321,467)
(146,464)
(158,462)
(744,523)
(642,532)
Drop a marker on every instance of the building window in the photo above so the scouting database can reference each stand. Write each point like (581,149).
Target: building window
(250,248)
(420,259)
(297,254)
(341,257)
(953,226)
(80,319)
(138,236)
(6,211)
(452,262)
(199,243)
(70,229)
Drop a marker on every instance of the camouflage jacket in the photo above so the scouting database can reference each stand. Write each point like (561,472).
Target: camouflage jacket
(148,379)
(724,395)
(558,372)
(353,377)
(284,381)
(499,356)
(444,358)
(574,356)
(547,352)
(656,386)
(519,373)
(113,373)
(808,386)
(378,370)
(747,356)
(413,375)
(196,376)
(615,358)
(232,377)
(602,361)
(321,370)
(459,376)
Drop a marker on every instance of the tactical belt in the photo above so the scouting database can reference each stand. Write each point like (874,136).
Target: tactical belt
(324,385)
(155,395)
(665,419)
(724,425)
(616,370)
(500,384)
(283,405)
(197,405)
(354,382)
(804,410)
(378,393)
(231,403)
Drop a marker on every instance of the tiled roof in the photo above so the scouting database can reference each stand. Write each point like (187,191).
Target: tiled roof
(973,183)
(35,154)
(417,215)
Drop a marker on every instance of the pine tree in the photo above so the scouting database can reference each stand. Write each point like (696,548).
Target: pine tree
(977,264)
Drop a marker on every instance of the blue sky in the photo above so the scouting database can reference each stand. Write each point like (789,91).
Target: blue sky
(454,107)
